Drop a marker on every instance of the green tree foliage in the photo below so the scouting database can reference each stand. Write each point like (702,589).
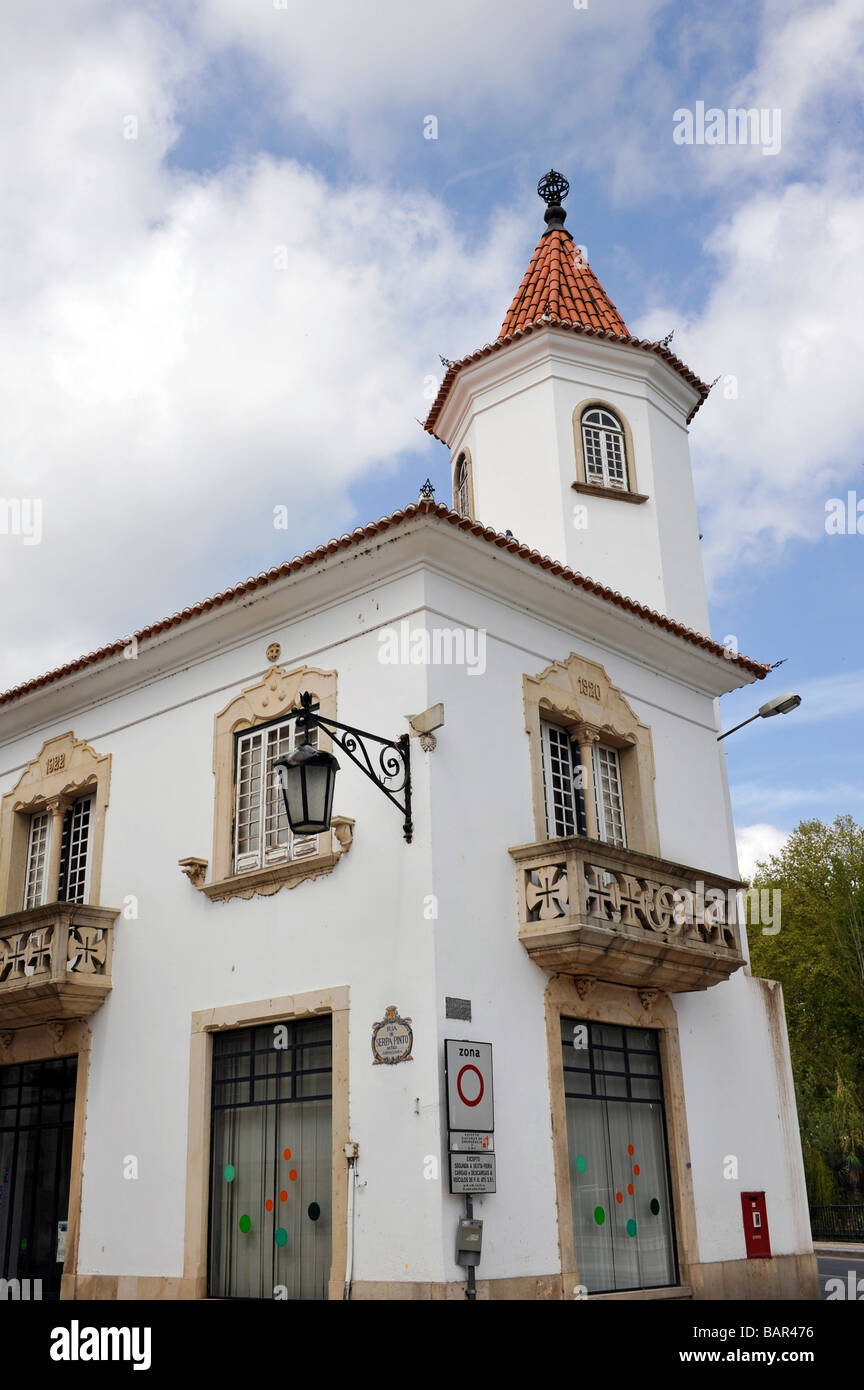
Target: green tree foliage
(818,957)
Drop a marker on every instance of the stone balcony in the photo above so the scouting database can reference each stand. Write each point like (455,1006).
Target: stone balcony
(55,962)
(586,908)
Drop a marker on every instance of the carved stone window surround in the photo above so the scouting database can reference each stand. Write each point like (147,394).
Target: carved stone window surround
(578,695)
(64,770)
(270,698)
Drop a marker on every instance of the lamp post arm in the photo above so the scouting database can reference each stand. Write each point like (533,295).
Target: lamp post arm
(393,759)
(737,726)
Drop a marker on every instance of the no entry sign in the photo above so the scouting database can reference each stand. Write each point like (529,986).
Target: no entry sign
(469,1085)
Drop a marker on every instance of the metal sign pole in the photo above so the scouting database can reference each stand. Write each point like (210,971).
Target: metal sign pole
(471,1291)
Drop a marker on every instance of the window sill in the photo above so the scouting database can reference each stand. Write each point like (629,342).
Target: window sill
(263,883)
(618,493)
(670,1291)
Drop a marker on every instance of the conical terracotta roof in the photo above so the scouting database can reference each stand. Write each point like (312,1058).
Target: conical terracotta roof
(560,282)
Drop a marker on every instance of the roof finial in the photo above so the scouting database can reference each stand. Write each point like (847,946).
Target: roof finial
(553,189)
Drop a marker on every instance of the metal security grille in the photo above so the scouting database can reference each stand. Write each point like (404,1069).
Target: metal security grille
(623,1222)
(37,860)
(562,783)
(603,442)
(607,795)
(37,1111)
(74,847)
(262,835)
(271,1161)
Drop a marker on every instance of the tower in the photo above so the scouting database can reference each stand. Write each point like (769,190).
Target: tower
(573,434)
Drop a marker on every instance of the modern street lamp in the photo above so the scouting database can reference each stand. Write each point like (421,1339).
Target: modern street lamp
(781,704)
(308,775)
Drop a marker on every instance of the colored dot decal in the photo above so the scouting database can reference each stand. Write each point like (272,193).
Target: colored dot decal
(269,1204)
(631,1227)
(24,1245)
(599,1215)
(655,1207)
(581,1163)
(245,1224)
(287,1153)
(293,1175)
(630,1150)
(636,1169)
(281,1236)
(619,1196)
(630,1188)
(283,1195)
(314,1211)
(230,1172)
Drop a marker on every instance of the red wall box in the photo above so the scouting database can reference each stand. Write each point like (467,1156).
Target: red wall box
(756,1234)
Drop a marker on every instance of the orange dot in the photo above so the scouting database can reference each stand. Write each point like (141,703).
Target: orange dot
(619,1197)
(287,1153)
(636,1169)
(629,1148)
(630,1188)
(269,1204)
(283,1195)
(293,1175)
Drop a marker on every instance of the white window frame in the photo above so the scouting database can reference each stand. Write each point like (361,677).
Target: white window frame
(608,795)
(36,888)
(274,739)
(604,449)
(463,486)
(85,847)
(558,747)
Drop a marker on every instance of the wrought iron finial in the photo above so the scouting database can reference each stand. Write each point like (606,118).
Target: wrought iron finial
(553,189)
(427,492)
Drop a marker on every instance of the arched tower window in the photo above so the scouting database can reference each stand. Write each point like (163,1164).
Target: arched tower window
(605,452)
(462,485)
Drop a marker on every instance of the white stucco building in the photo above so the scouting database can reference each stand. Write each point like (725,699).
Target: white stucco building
(190,994)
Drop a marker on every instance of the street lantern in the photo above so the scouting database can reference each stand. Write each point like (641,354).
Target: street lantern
(307,778)
(781,704)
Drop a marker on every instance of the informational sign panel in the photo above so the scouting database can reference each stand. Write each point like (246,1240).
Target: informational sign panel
(472,1172)
(469,1085)
(471,1141)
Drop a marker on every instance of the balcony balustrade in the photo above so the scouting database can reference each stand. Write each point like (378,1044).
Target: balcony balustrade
(587,908)
(55,962)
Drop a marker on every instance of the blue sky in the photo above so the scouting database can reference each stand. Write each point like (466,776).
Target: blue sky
(152,355)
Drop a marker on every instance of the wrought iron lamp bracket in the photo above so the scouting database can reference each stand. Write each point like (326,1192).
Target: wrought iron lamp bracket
(393,758)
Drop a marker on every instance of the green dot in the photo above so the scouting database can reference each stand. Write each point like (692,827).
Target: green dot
(230,1172)
(245,1224)
(314,1211)
(581,1163)
(281,1236)
(655,1206)
(23,1245)
(599,1215)
(631,1227)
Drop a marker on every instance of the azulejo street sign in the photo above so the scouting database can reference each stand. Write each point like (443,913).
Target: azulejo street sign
(392,1039)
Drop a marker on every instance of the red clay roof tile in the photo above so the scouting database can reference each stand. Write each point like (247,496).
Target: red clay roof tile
(437,510)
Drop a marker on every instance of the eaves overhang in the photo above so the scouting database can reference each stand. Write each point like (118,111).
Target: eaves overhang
(423,531)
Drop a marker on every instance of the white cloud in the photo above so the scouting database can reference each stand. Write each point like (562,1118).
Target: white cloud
(757,842)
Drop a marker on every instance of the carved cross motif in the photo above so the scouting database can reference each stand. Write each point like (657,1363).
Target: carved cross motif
(602,899)
(14,955)
(39,950)
(546,890)
(86,953)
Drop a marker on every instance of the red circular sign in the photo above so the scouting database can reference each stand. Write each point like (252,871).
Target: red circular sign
(464,1099)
